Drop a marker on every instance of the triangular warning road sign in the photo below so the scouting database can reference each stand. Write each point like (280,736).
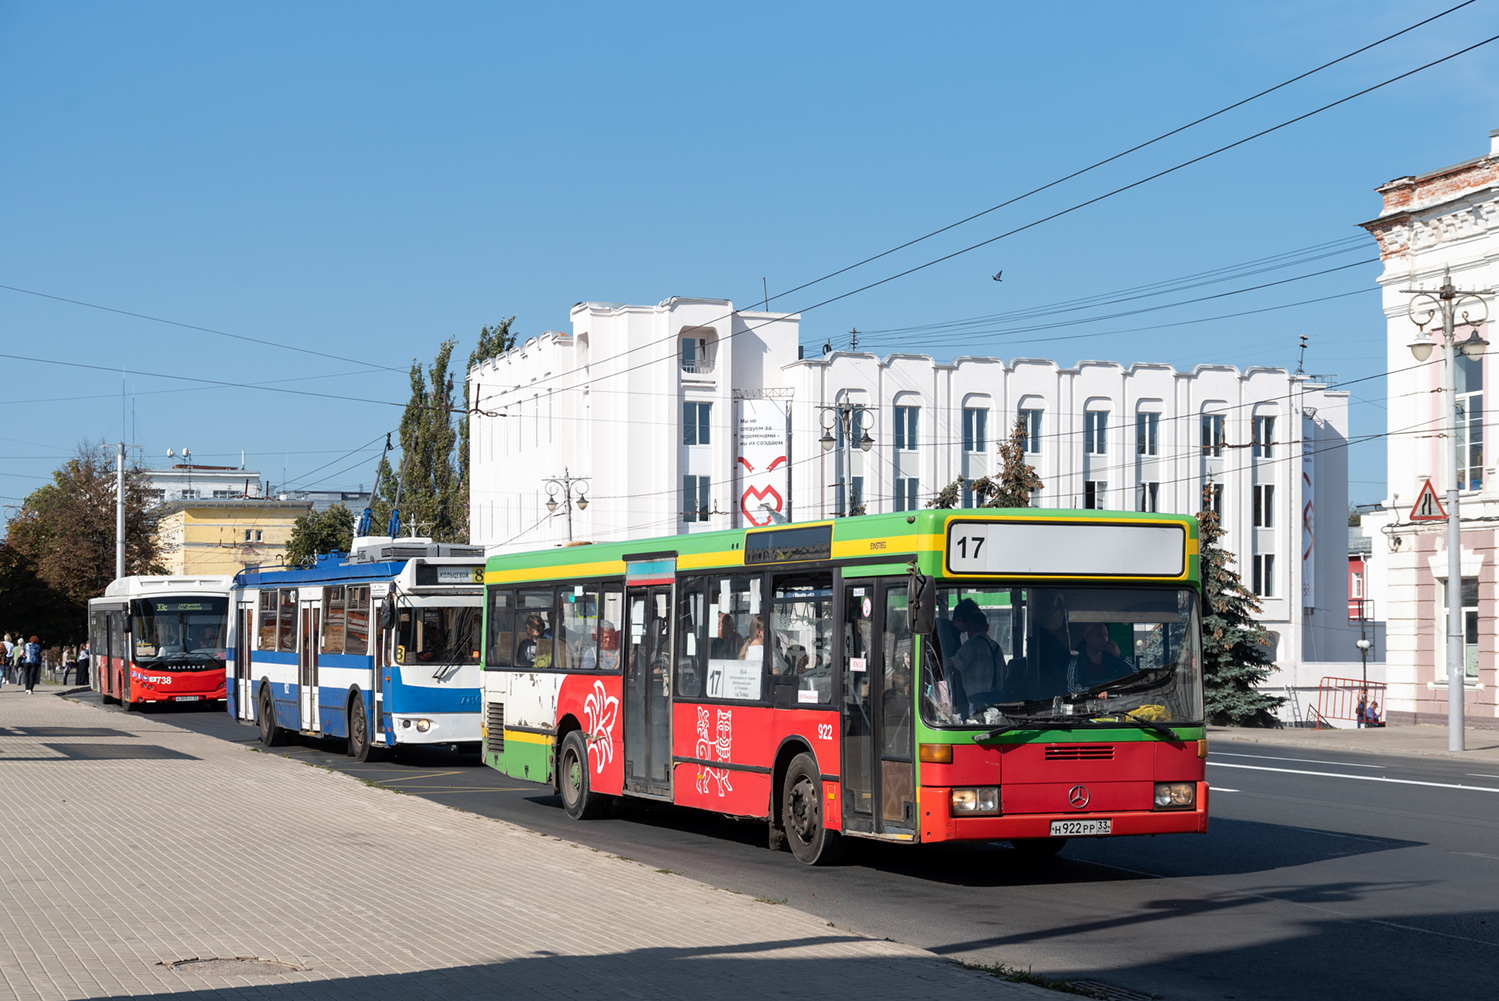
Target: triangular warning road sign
(1428,508)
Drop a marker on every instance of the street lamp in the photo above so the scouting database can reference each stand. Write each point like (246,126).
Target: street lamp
(564,485)
(852,422)
(1448,303)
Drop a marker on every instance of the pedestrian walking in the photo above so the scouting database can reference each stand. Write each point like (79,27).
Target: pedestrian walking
(10,646)
(82,679)
(31,663)
(17,651)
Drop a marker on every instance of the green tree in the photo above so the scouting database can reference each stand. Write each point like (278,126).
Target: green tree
(426,477)
(1233,643)
(61,544)
(493,342)
(318,532)
(1013,487)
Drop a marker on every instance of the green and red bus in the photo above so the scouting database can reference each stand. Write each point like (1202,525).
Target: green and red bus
(1025,675)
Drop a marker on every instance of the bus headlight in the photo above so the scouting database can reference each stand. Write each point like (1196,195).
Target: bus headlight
(1175,795)
(973,802)
(423,725)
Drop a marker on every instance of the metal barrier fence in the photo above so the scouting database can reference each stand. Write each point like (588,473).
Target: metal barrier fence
(1340,698)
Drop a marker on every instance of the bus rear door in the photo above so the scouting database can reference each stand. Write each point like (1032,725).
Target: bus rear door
(244,629)
(647,736)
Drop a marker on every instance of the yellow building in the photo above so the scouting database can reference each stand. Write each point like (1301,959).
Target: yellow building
(224,536)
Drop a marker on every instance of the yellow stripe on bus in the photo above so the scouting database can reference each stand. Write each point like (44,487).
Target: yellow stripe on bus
(524,737)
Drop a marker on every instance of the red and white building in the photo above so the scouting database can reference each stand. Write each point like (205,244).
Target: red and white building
(1430,223)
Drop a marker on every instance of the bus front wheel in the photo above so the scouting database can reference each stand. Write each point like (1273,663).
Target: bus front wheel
(578,799)
(359,732)
(802,817)
(271,735)
(127,696)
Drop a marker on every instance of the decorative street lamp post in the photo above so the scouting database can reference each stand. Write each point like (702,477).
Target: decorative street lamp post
(852,423)
(1447,303)
(564,485)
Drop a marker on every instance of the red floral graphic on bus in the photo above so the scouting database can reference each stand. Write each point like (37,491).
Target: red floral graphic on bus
(602,711)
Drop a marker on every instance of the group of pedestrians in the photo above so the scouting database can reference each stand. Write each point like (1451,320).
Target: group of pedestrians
(1368,712)
(23,661)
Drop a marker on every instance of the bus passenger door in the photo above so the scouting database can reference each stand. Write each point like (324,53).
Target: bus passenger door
(878,774)
(307,664)
(243,642)
(647,736)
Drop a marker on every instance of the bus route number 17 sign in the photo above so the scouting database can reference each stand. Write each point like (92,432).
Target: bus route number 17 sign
(1427,507)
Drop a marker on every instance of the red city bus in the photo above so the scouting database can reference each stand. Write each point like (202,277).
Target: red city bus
(159,639)
(1024,675)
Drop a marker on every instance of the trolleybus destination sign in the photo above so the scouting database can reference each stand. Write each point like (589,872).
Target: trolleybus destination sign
(1044,549)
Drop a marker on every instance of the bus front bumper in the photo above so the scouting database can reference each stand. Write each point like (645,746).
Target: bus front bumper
(939,824)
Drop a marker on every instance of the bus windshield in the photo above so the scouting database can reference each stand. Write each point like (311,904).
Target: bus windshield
(180,632)
(438,634)
(1007,654)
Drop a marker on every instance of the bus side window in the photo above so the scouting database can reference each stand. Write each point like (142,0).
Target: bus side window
(580,628)
(535,635)
(267,637)
(501,638)
(611,617)
(690,638)
(801,640)
(357,621)
(333,620)
(286,621)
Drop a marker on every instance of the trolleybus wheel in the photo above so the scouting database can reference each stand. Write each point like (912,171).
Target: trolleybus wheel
(359,732)
(271,735)
(1037,847)
(801,815)
(580,801)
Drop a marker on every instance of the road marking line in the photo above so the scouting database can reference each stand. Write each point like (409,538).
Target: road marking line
(1221,789)
(1312,761)
(1475,855)
(1360,778)
(1481,775)
(417,778)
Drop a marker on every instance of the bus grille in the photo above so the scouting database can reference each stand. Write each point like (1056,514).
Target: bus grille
(1080,752)
(495,728)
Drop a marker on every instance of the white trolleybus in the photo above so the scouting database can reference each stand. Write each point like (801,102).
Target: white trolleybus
(380,646)
(159,639)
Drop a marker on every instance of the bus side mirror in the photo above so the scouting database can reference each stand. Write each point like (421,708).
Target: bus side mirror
(923,604)
(388,615)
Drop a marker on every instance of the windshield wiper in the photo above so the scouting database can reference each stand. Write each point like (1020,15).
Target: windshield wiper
(1019,722)
(1124,717)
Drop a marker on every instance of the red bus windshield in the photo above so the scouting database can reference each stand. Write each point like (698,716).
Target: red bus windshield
(180,633)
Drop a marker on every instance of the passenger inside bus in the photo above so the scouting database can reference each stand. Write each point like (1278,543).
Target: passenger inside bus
(754,647)
(1098,660)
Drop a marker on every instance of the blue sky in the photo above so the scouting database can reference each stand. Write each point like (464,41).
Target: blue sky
(368,179)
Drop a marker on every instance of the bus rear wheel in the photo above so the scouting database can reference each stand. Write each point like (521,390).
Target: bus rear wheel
(359,732)
(578,799)
(802,815)
(271,735)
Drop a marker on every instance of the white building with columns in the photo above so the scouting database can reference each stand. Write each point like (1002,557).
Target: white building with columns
(690,415)
(1432,223)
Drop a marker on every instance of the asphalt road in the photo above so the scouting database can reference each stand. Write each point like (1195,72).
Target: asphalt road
(1323,875)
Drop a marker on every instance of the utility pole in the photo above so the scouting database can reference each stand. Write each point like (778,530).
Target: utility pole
(853,339)
(120,511)
(564,484)
(1425,307)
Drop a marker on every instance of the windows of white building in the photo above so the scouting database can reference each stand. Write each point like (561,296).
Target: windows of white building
(1147,433)
(1469,422)
(906,422)
(1264,505)
(1095,495)
(697,421)
(1095,432)
(697,504)
(1264,437)
(905,493)
(698,346)
(1264,574)
(975,429)
(1470,632)
(1147,496)
(1029,415)
(1212,435)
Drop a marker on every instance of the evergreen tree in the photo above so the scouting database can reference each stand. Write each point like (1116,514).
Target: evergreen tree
(493,342)
(1012,488)
(318,532)
(426,477)
(1233,657)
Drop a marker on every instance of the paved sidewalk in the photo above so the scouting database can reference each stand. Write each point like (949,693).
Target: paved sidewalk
(1416,741)
(126,843)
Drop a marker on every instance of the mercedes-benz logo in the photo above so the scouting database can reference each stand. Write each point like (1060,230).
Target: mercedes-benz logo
(1078,797)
